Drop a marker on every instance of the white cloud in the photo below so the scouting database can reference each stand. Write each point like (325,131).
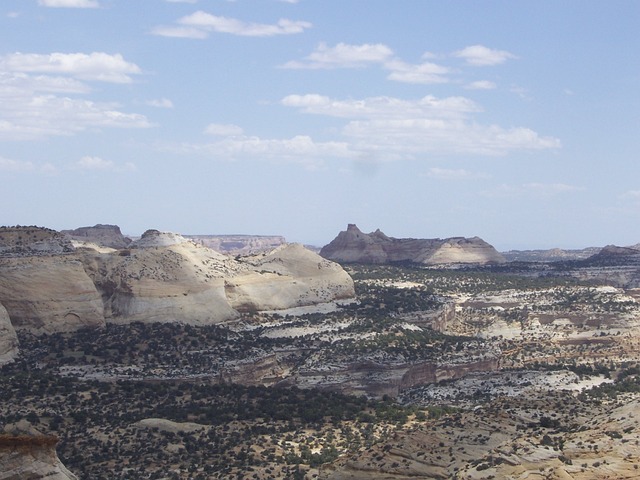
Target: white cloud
(69,3)
(481,56)
(160,103)
(343,56)
(18,166)
(481,85)
(383,107)
(200,24)
(423,73)
(100,164)
(300,149)
(399,128)
(223,130)
(30,108)
(453,174)
(97,66)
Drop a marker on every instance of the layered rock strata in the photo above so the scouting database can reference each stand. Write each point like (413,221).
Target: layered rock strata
(354,246)
(48,294)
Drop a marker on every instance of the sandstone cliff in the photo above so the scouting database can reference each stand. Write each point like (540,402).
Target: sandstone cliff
(8,338)
(355,246)
(162,277)
(49,293)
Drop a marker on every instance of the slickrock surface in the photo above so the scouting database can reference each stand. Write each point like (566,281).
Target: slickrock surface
(288,276)
(8,338)
(162,277)
(354,246)
(49,294)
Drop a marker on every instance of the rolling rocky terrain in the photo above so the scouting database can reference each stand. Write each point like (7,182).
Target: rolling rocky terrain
(354,246)
(305,369)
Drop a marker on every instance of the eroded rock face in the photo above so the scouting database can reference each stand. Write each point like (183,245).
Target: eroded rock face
(176,283)
(162,277)
(187,283)
(8,338)
(31,458)
(26,454)
(354,246)
(48,294)
(102,235)
(288,276)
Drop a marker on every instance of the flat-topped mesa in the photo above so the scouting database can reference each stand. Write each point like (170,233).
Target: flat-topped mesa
(354,246)
(102,235)
(239,244)
(29,241)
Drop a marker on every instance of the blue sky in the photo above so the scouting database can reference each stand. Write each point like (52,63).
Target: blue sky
(514,121)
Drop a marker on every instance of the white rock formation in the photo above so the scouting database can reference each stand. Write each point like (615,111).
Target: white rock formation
(8,338)
(49,294)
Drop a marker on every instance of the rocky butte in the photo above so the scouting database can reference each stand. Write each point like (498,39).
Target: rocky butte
(354,246)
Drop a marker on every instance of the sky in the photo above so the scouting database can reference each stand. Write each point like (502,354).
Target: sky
(518,122)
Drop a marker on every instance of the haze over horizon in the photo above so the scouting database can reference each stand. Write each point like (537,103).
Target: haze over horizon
(513,121)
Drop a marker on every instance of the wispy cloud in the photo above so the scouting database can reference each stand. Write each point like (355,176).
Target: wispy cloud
(382,129)
(17,166)
(540,190)
(412,128)
(97,66)
(160,103)
(200,24)
(422,73)
(100,164)
(343,56)
(223,130)
(69,3)
(481,56)
(39,94)
(300,149)
(454,174)
(481,85)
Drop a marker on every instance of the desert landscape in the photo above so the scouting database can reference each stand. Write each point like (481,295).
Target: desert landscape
(160,357)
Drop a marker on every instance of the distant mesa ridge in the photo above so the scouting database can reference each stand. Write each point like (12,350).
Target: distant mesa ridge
(354,246)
